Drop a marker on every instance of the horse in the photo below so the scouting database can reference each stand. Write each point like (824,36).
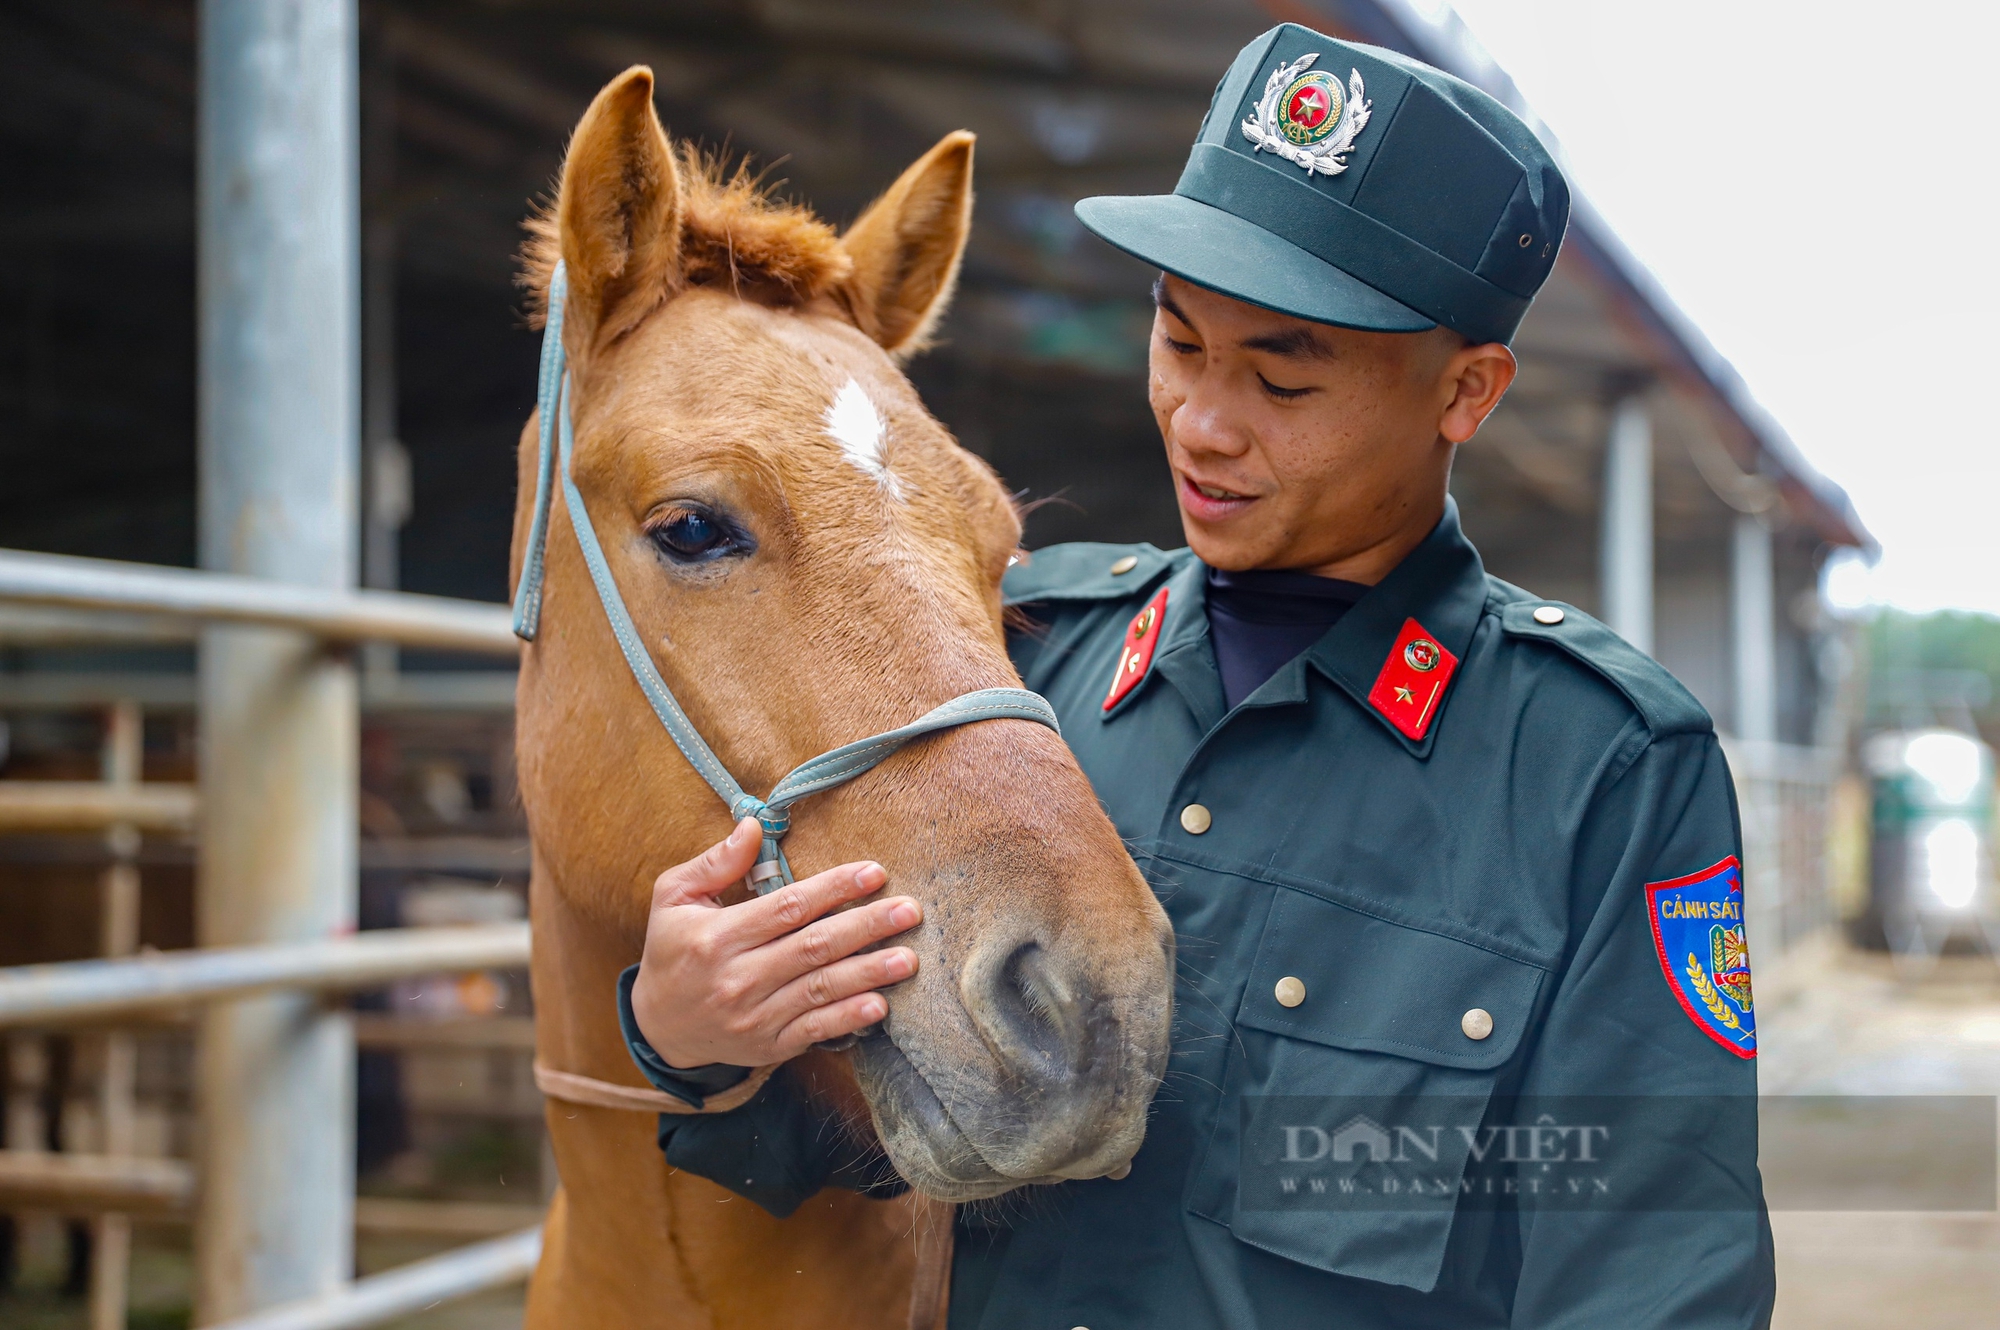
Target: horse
(734,357)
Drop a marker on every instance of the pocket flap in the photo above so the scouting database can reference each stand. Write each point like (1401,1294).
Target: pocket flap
(1368,984)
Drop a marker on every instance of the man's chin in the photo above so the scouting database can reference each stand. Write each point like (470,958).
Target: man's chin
(1226,546)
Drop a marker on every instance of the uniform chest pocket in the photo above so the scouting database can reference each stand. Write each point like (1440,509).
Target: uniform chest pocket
(1365,1057)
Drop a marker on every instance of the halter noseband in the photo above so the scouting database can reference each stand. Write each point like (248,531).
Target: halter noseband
(824,772)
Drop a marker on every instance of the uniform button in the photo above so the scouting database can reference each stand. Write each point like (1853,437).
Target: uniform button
(1477,1023)
(1195,820)
(1125,565)
(1548,614)
(1290,992)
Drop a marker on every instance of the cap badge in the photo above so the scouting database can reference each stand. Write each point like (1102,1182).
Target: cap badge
(1135,649)
(1305,119)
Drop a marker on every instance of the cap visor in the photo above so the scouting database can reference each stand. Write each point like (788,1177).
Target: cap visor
(1226,254)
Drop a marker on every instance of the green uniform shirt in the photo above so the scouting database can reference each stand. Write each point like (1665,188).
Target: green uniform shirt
(1341,1138)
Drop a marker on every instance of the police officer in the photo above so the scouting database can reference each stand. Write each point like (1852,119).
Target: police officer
(1464,1027)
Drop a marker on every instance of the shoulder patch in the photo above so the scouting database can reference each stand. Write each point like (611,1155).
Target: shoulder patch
(1087,571)
(1661,700)
(1697,924)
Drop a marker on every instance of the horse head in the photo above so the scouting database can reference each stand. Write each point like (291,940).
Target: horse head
(811,558)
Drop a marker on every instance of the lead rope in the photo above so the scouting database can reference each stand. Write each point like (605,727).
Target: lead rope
(930,1288)
(773,812)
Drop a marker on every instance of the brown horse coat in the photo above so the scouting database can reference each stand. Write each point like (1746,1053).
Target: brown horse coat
(737,354)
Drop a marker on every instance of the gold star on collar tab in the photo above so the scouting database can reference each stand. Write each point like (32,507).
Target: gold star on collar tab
(1413,681)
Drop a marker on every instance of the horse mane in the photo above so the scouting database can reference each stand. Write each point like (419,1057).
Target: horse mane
(735,231)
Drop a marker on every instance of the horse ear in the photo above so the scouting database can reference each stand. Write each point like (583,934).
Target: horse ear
(620,207)
(907,245)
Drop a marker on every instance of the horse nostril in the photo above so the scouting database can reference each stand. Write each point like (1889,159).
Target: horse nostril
(1031,1014)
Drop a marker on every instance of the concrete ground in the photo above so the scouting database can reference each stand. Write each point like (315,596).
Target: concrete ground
(1832,1021)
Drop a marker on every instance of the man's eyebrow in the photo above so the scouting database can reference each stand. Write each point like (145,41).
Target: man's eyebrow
(1302,343)
(1299,342)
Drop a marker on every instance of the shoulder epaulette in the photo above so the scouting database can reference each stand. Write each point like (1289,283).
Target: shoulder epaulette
(1660,699)
(1086,571)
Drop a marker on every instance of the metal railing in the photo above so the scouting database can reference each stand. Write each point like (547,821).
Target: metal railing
(76,805)
(487,690)
(106,585)
(94,597)
(1784,795)
(95,1184)
(406,1289)
(107,990)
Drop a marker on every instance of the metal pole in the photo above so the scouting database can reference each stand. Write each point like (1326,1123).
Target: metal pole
(111,1245)
(72,992)
(72,1184)
(279,460)
(416,1287)
(1756,760)
(385,504)
(1753,617)
(75,805)
(28,1132)
(1626,549)
(145,590)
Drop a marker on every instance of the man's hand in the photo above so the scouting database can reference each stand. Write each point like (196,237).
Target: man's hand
(764,980)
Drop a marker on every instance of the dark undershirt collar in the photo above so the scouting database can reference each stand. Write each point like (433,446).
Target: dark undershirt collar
(1259,620)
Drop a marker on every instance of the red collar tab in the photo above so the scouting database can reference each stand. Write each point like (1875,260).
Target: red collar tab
(1135,649)
(1412,682)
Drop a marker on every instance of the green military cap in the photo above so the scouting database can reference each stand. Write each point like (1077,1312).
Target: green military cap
(1351,185)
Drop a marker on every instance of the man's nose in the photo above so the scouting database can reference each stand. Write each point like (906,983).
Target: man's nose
(1202,424)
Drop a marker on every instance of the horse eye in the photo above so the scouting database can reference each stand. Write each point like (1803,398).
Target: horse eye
(692,535)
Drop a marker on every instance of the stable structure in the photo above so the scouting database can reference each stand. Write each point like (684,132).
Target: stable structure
(336,190)
(1629,471)
(278,301)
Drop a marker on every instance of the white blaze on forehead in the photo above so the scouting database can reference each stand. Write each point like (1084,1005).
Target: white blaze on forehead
(853,422)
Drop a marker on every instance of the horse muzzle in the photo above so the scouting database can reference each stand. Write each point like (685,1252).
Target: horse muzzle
(1044,1076)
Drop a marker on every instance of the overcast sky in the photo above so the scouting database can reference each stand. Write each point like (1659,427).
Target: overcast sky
(1814,184)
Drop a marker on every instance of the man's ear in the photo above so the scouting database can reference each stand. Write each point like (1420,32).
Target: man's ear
(1477,377)
(907,246)
(619,211)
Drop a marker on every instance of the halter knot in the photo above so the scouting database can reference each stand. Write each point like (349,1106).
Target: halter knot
(775,821)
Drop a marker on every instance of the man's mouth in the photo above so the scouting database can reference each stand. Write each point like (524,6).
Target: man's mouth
(1211,502)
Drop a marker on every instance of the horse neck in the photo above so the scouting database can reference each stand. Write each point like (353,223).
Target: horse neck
(632,1241)
(577,960)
